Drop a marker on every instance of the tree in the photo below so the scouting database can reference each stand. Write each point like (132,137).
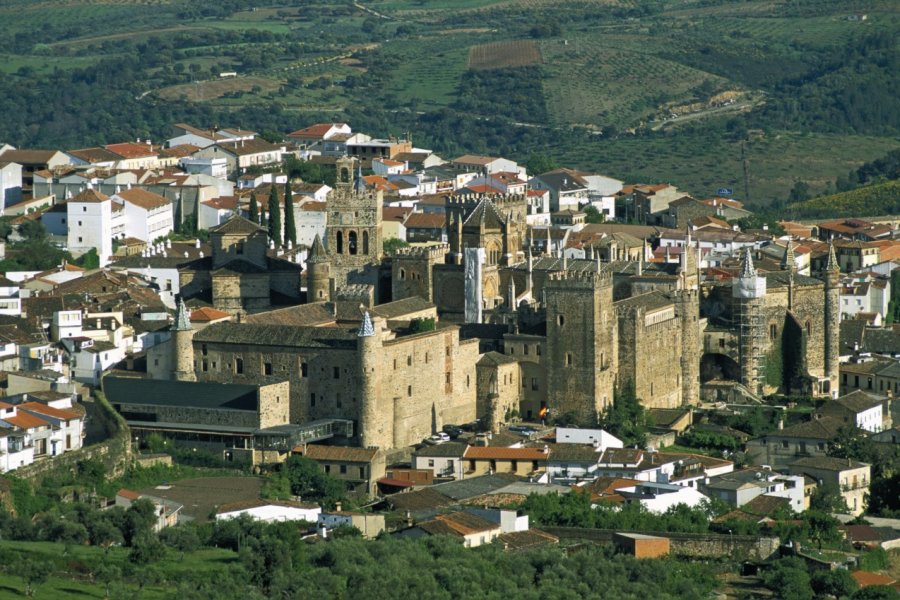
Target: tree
(290,230)
(625,417)
(823,528)
(876,592)
(827,499)
(139,520)
(799,192)
(309,482)
(254,208)
(539,163)
(789,579)
(90,260)
(33,573)
(838,583)
(146,549)
(274,216)
(33,230)
(106,573)
(593,215)
(392,244)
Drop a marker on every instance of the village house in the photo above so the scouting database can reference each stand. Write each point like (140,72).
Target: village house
(243,154)
(166,511)
(187,134)
(782,447)
(10,184)
(471,529)
(370,525)
(90,223)
(445,460)
(314,136)
(148,216)
(859,409)
(270,511)
(740,487)
(525,462)
(851,478)
(358,468)
(31,161)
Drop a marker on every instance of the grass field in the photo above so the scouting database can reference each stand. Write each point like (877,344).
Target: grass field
(70,579)
(217,88)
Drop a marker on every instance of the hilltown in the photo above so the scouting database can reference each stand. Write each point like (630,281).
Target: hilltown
(439,334)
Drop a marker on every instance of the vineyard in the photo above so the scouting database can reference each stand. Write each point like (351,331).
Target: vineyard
(504,55)
(873,200)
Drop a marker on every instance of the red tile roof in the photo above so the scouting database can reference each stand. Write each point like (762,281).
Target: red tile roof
(25,421)
(143,198)
(43,409)
(131,150)
(128,494)
(206,314)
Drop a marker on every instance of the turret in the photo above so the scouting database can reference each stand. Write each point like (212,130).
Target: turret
(182,345)
(374,423)
(318,273)
(749,291)
(832,320)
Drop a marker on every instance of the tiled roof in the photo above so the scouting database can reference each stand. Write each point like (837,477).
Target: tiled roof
(129,494)
(277,335)
(143,198)
(237,225)
(520,540)
(131,150)
(49,411)
(206,314)
(818,429)
(95,155)
(24,420)
(495,453)
(464,523)
(301,315)
(340,453)
(416,500)
(419,220)
(89,195)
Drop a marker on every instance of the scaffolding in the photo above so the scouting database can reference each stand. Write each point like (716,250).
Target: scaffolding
(751,324)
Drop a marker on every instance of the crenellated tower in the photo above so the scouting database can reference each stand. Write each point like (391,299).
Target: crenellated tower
(688,310)
(582,342)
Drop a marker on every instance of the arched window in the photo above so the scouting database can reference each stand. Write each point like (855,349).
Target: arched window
(339,242)
(351,242)
(773,331)
(402,274)
(808,329)
(365,242)
(345,175)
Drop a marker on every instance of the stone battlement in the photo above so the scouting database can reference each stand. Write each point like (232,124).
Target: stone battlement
(580,279)
(431,252)
(467,200)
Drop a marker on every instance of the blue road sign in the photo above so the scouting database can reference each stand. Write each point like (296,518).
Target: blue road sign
(725,191)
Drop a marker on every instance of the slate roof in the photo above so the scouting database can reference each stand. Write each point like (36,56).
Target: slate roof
(825,428)
(399,308)
(475,486)
(858,401)
(485,214)
(448,450)
(237,225)
(307,315)
(649,301)
(418,500)
(157,392)
(274,335)
(497,358)
(827,463)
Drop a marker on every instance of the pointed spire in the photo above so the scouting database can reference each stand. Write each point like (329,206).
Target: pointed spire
(747,268)
(565,259)
(528,282)
(317,251)
(787,261)
(366,329)
(512,293)
(182,320)
(832,264)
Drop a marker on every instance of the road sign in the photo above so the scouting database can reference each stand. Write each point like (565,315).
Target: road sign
(725,191)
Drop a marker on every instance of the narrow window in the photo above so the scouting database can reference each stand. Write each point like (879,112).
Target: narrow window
(339,242)
(365,242)
(239,365)
(267,368)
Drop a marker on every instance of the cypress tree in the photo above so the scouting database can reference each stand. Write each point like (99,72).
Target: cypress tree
(274,216)
(290,230)
(254,208)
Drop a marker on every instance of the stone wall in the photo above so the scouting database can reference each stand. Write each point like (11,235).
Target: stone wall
(650,356)
(685,544)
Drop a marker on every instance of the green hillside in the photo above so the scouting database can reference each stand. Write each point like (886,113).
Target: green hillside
(645,90)
(874,200)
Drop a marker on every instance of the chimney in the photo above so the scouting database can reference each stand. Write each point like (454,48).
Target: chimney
(409,519)
(197,243)
(338,506)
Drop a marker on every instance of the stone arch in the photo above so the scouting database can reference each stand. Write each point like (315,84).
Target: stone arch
(345,175)
(352,243)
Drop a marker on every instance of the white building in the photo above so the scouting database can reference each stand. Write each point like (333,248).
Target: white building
(216,211)
(387,166)
(89,216)
(10,184)
(65,324)
(309,219)
(148,216)
(212,167)
(90,359)
(598,438)
(270,511)
(10,297)
(660,497)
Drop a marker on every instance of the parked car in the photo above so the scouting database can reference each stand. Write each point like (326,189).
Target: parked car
(438,438)
(454,431)
(522,430)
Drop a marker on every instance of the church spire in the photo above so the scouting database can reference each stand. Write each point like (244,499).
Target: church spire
(317,251)
(747,268)
(366,329)
(832,264)
(182,321)
(787,262)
